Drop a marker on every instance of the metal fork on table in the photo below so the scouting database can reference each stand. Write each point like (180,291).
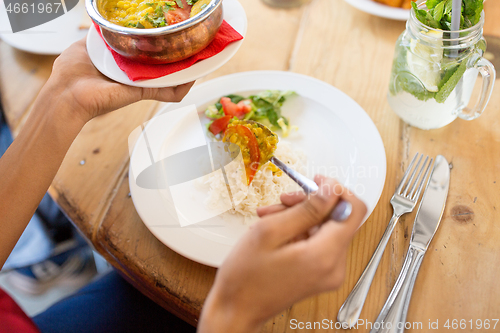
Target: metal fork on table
(403,201)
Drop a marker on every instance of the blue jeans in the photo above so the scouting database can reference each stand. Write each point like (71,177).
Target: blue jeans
(109,305)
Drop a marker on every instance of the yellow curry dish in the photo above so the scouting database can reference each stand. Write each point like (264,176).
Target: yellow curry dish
(249,126)
(249,123)
(257,146)
(147,14)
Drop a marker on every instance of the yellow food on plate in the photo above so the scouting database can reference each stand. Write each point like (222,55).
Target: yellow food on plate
(406,4)
(392,3)
(251,177)
(256,144)
(396,3)
(265,189)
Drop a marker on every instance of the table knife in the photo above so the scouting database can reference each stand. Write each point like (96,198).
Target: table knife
(392,318)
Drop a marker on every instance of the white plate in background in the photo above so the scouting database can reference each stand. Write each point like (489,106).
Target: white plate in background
(50,38)
(379,9)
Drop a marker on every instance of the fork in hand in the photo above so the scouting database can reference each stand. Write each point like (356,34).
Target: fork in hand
(403,201)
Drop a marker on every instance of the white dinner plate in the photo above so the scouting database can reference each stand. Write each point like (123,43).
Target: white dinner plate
(378,9)
(50,38)
(335,133)
(234,14)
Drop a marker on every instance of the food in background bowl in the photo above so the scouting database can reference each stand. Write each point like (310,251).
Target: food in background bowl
(406,4)
(147,14)
(163,44)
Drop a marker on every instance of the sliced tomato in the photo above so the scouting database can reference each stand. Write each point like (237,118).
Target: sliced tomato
(244,106)
(229,107)
(178,14)
(253,146)
(237,110)
(219,125)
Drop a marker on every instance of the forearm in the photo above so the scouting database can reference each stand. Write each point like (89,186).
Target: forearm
(31,162)
(220,316)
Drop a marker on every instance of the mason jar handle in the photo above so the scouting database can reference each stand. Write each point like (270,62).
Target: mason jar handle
(488,74)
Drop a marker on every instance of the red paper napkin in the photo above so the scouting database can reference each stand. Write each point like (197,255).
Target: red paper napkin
(139,71)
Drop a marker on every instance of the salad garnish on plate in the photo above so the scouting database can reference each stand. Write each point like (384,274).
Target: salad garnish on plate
(264,107)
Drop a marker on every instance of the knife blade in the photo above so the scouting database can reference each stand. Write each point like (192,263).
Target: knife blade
(432,205)
(392,317)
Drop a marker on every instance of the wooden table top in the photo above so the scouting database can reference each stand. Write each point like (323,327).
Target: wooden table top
(353,51)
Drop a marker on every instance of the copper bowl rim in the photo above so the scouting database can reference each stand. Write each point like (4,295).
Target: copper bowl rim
(96,16)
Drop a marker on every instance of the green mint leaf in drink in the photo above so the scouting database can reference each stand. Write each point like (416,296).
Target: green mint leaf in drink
(438,13)
(472,10)
(448,73)
(448,6)
(440,10)
(432,3)
(433,72)
(447,85)
(406,80)
(425,17)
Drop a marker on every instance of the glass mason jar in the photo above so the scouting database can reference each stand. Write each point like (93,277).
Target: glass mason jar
(434,73)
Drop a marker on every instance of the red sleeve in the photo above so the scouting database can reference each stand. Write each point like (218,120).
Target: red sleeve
(12,317)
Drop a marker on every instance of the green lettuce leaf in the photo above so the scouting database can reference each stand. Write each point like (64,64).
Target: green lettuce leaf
(274,97)
(235,98)
(267,106)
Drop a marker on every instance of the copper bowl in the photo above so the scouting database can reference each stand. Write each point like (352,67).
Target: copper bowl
(160,45)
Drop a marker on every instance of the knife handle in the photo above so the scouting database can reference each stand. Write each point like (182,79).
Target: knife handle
(351,309)
(392,317)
